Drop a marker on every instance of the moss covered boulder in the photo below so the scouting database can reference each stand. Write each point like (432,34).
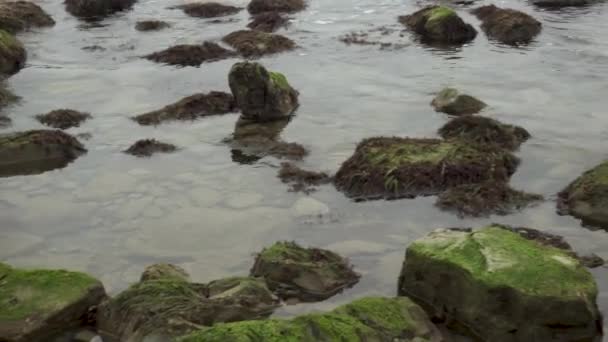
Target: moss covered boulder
(191,54)
(208,9)
(285,6)
(367,319)
(63,118)
(32,152)
(12,54)
(439,25)
(164,271)
(16,16)
(500,286)
(507,26)
(252,43)
(96,9)
(587,197)
(453,102)
(151,25)
(384,167)
(482,130)
(268,22)
(304,274)
(37,304)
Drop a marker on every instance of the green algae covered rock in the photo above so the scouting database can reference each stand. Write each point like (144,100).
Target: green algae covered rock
(453,102)
(12,54)
(501,286)
(506,25)
(164,271)
(587,197)
(36,304)
(392,167)
(366,319)
(439,24)
(482,130)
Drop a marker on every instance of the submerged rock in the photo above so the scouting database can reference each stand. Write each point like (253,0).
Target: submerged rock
(6,96)
(261,95)
(148,147)
(37,151)
(17,16)
(453,102)
(587,197)
(438,24)
(37,304)
(63,118)
(191,55)
(304,274)
(12,54)
(482,130)
(257,43)
(286,6)
(208,9)
(190,108)
(164,271)
(268,22)
(94,9)
(501,287)
(556,4)
(302,180)
(395,167)
(507,26)
(151,25)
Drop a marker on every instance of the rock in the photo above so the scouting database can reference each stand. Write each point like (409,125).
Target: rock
(190,108)
(191,55)
(507,26)
(556,4)
(482,130)
(256,43)
(94,9)
(587,197)
(151,25)
(12,54)
(304,274)
(592,260)
(438,24)
(208,9)
(453,102)
(17,16)
(37,151)
(148,147)
(6,96)
(365,319)
(36,304)
(511,288)
(63,118)
(268,22)
(172,307)
(5,121)
(390,168)
(301,180)
(485,199)
(261,95)
(164,271)
(286,6)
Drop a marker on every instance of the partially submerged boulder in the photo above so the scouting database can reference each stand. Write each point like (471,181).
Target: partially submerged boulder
(268,22)
(285,6)
(96,9)
(453,102)
(190,108)
(261,95)
(6,96)
(586,197)
(191,54)
(151,25)
(557,4)
(63,118)
(482,130)
(17,16)
(208,9)
(439,24)
(37,151)
(251,43)
(507,26)
(501,287)
(12,54)
(164,271)
(303,274)
(36,304)
(389,168)
(302,180)
(148,147)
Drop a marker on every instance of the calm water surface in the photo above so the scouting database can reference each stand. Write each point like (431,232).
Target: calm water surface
(111,214)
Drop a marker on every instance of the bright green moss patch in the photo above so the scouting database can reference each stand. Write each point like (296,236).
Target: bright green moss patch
(249,331)
(432,151)
(279,80)
(285,250)
(439,13)
(8,41)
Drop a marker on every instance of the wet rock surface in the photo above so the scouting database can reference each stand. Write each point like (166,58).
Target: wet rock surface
(208,9)
(17,16)
(497,276)
(482,130)
(191,55)
(36,304)
(151,25)
(252,43)
(268,22)
(164,271)
(148,147)
(557,4)
(37,151)
(6,96)
(507,26)
(63,118)
(439,25)
(303,274)
(96,9)
(12,54)
(301,180)
(285,6)
(453,102)
(190,108)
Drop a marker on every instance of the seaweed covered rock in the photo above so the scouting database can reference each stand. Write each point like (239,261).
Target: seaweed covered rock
(261,95)
(305,274)
(17,16)
(501,287)
(251,43)
(151,25)
(208,9)
(482,130)
(366,319)
(268,22)
(148,147)
(37,151)
(302,180)
(507,26)
(190,108)
(438,24)
(37,304)
(191,54)
(485,199)
(169,307)
(12,54)
(96,9)
(285,6)
(453,102)
(384,167)
(63,118)
(164,271)
(586,197)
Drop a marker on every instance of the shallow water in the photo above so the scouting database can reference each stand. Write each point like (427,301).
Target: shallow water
(111,214)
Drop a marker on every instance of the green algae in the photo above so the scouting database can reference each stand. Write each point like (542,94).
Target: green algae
(439,13)
(285,250)
(279,80)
